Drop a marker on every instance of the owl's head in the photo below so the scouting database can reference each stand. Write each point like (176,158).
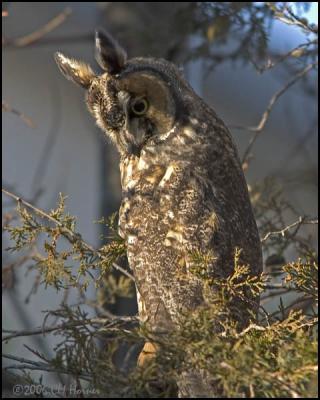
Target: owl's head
(134,101)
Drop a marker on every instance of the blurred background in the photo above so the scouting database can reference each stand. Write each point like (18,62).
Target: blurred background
(53,145)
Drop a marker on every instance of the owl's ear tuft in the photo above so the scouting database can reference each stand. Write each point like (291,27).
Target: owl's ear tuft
(75,71)
(109,54)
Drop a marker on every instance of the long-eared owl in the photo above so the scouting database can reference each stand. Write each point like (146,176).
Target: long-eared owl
(183,189)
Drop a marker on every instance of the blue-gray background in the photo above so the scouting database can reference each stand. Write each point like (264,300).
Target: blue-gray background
(66,153)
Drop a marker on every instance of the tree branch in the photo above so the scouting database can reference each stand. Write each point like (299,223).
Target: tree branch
(72,237)
(298,223)
(93,321)
(39,33)
(40,366)
(265,116)
(27,120)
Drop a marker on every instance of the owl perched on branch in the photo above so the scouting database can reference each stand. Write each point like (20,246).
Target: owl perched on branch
(183,189)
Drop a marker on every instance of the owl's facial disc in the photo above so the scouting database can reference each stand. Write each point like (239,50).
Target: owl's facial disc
(138,127)
(131,101)
(131,110)
(148,107)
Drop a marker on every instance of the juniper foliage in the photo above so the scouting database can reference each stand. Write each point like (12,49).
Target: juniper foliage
(273,357)
(276,354)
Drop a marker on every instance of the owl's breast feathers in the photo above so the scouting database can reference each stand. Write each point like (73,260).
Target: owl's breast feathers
(177,202)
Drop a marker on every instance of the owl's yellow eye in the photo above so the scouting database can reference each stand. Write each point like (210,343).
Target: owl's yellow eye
(139,106)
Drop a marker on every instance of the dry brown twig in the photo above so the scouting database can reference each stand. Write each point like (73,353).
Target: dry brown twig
(297,51)
(299,303)
(7,270)
(265,116)
(6,107)
(292,19)
(39,33)
(298,223)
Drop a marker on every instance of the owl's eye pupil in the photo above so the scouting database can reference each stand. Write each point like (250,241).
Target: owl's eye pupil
(139,106)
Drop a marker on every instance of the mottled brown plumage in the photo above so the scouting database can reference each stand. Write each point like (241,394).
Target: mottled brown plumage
(182,182)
